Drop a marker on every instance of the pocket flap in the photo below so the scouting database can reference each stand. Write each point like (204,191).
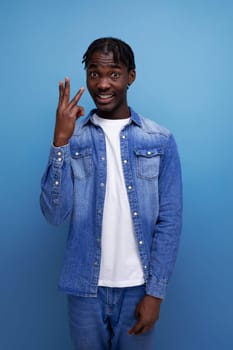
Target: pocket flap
(80,153)
(149,152)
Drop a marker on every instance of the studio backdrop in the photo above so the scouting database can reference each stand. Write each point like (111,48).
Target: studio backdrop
(184,58)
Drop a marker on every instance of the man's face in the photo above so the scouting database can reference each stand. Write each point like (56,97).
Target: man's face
(107,82)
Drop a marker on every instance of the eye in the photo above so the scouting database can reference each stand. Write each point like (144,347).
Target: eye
(115,75)
(93,75)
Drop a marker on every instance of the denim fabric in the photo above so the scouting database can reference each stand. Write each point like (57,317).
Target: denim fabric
(103,322)
(74,184)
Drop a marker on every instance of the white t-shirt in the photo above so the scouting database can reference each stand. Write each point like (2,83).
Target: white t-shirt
(120,261)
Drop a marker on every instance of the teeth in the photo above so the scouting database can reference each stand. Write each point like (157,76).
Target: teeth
(105,96)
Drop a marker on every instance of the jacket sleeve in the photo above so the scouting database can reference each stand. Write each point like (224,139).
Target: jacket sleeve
(168,226)
(56,199)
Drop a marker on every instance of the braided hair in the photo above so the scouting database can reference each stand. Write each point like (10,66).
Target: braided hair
(121,51)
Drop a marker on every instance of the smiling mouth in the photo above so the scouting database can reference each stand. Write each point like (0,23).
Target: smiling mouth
(104,97)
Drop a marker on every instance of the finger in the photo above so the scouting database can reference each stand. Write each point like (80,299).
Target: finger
(78,111)
(66,95)
(142,330)
(61,92)
(77,97)
(136,328)
(81,111)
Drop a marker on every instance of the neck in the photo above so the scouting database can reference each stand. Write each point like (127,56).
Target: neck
(111,115)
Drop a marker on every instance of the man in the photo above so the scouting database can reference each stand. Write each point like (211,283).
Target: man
(118,175)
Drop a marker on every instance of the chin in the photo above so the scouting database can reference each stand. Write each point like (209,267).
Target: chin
(105,109)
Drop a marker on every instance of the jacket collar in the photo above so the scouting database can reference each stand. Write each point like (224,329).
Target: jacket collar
(134,117)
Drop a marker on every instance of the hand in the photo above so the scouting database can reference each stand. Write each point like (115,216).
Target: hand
(67,113)
(147,313)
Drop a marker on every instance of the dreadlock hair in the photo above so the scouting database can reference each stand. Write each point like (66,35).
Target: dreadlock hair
(121,51)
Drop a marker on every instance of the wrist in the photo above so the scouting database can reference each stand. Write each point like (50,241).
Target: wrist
(60,142)
(156,299)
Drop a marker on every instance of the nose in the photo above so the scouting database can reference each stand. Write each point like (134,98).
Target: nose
(103,84)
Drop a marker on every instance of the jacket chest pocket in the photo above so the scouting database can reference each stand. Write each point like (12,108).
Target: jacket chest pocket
(82,163)
(147,163)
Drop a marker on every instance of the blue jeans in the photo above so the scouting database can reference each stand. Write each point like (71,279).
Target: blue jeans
(102,322)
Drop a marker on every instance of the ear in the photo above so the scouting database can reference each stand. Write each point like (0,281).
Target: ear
(132,76)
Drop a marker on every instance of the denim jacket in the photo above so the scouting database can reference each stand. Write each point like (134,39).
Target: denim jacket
(74,183)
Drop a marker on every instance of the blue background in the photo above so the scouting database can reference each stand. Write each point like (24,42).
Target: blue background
(184,58)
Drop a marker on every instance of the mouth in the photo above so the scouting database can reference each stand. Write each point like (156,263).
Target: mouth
(104,98)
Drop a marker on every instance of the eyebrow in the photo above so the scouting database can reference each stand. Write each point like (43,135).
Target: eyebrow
(95,65)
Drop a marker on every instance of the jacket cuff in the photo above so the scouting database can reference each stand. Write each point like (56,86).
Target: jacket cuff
(156,287)
(59,154)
